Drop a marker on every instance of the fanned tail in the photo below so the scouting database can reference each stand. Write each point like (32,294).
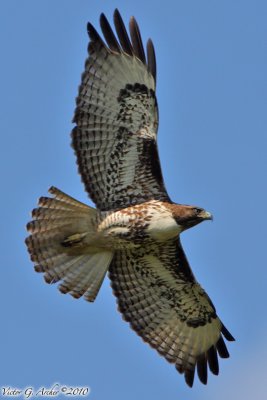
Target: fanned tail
(61,244)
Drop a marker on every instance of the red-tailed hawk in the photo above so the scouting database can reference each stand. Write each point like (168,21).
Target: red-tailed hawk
(134,231)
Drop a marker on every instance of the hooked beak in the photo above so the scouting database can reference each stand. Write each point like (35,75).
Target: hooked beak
(206,215)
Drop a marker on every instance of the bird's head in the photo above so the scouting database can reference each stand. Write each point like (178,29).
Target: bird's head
(189,216)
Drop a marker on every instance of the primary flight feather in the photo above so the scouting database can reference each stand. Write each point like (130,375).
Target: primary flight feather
(134,233)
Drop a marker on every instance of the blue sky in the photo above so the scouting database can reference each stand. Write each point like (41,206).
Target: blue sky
(212,63)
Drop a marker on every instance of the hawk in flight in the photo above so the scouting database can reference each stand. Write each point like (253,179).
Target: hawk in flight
(134,232)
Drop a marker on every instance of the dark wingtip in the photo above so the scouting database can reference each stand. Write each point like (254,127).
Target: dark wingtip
(122,33)
(213,360)
(108,34)
(94,35)
(132,45)
(202,369)
(137,40)
(151,59)
(222,349)
(227,334)
(189,377)
(92,31)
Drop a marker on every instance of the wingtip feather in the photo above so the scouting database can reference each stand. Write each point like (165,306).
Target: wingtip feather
(213,360)
(94,35)
(137,40)
(227,334)
(151,59)
(189,377)
(122,33)
(202,370)
(108,34)
(222,349)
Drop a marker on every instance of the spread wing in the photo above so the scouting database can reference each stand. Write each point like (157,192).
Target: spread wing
(158,294)
(117,118)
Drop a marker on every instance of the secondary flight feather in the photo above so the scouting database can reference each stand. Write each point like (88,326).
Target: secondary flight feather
(134,232)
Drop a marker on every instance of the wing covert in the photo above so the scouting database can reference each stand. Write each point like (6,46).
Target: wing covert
(115,137)
(160,298)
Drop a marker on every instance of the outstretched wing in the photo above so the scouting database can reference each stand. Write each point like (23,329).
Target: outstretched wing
(158,294)
(116,119)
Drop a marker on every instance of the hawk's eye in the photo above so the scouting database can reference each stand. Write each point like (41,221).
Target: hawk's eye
(198,210)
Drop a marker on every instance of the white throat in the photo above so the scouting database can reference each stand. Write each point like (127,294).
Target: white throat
(163,226)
